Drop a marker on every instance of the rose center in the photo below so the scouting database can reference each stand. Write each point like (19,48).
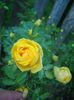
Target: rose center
(24,51)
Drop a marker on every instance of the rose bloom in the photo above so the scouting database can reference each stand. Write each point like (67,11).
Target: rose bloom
(62,74)
(28,55)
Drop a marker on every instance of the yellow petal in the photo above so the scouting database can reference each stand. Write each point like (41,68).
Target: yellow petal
(24,68)
(19,89)
(56,71)
(38,67)
(25,92)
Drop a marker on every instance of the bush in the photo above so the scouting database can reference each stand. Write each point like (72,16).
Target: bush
(42,85)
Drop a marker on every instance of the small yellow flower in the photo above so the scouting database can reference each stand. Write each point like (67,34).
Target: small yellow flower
(32,20)
(35,35)
(72,45)
(11,35)
(21,89)
(10,62)
(25,92)
(53,24)
(21,22)
(38,22)
(30,32)
(55,58)
(61,30)
(62,74)
(49,17)
(56,38)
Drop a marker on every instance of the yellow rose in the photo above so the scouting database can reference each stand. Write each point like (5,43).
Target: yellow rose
(55,58)
(28,55)
(38,22)
(11,35)
(62,74)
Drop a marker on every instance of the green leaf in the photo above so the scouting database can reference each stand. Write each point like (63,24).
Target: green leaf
(48,67)
(8,81)
(49,75)
(37,91)
(34,97)
(10,71)
(41,74)
(44,96)
(21,77)
(6,8)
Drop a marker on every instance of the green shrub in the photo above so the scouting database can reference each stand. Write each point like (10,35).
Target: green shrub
(41,85)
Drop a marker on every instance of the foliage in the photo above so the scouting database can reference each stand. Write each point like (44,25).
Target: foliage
(29,12)
(3,5)
(48,8)
(8,5)
(8,13)
(26,7)
(42,85)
